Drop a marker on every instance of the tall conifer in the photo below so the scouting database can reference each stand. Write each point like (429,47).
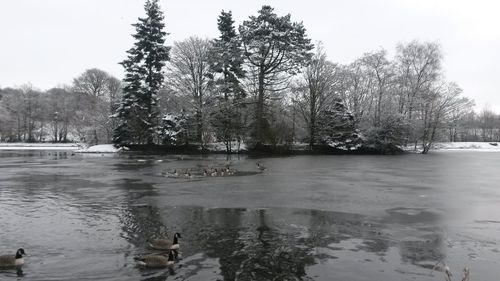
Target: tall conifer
(138,110)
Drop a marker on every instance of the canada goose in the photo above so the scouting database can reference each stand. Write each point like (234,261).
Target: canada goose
(260,167)
(214,173)
(156,261)
(205,173)
(175,174)
(165,244)
(13,260)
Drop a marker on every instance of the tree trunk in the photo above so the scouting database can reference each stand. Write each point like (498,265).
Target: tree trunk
(96,139)
(312,123)
(259,112)
(379,108)
(199,127)
(149,137)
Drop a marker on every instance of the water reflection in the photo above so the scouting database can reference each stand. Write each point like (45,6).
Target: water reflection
(267,244)
(423,242)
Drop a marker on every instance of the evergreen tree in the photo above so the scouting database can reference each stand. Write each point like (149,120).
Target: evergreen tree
(337,128)
(227,58)
(389,134)
(172,128)
(275,48)
(226,64)
(138,111)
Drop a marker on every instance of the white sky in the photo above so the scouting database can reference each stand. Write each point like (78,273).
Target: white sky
(49,42)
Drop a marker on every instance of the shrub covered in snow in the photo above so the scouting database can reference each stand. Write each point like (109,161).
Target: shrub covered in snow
(337,128)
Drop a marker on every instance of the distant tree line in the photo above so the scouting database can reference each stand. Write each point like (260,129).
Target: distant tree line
(262,84)
(77,112)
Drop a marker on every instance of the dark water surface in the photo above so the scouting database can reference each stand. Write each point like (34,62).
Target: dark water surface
(84,217)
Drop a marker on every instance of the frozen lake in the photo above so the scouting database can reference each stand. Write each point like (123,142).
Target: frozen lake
(84,217)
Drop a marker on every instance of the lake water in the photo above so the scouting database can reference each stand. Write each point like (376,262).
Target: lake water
(84,217)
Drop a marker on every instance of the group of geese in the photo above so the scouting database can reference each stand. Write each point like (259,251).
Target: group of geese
(209,172)
(162,260)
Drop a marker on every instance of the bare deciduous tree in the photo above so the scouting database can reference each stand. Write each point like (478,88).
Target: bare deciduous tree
(316,90)
(189,75)
(381,73)
(98,93)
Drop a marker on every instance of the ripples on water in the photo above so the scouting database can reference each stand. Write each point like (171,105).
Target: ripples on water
(86,217)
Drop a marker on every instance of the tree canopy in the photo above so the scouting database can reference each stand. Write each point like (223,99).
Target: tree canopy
(275,47)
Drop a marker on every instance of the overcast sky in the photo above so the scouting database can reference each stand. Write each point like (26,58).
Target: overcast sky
(48,43)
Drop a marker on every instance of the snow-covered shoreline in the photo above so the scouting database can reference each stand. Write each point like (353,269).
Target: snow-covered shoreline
(458,146)
(74,147)
(473,146)
(39,146)
(219,147)
(100,148)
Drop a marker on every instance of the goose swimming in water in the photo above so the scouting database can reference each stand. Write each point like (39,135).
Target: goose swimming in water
(260,167)
(214,173)
(13,260)
(156,261)
(165,244)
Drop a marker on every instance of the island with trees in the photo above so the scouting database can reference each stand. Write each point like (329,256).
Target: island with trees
(262,85)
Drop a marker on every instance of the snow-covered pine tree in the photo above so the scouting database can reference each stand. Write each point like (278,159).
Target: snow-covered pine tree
(337,128)
(227,58)
(138,110)
(172,126)
(226,64)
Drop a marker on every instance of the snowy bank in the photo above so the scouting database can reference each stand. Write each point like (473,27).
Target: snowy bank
(100,148)
(39,146)
(476,146)
(221,147)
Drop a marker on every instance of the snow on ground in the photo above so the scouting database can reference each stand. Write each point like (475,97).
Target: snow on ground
(100,148)
(475,146)
(221,146)
(39,146)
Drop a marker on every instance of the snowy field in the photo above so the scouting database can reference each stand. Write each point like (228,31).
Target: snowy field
(476,146)
(39,146)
